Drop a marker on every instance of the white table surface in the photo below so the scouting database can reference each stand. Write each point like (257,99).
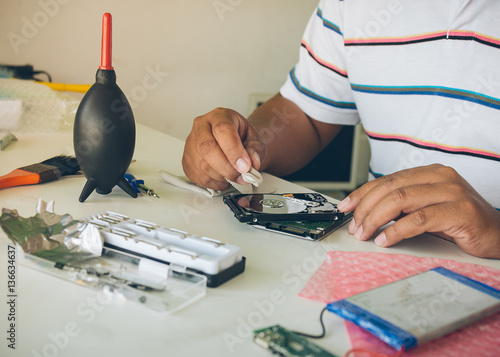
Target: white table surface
(57,318)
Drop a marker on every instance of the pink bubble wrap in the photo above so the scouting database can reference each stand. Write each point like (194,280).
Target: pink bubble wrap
(343,274)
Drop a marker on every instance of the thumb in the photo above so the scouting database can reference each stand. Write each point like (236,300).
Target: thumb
(255,146)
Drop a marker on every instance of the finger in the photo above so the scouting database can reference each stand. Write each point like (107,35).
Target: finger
(208,153)
(365,200)
(349,203)
(255,157)
(413,176)
(255,147)
(193,162)
(201,178)
(229,130)
(428,219)
(402,201)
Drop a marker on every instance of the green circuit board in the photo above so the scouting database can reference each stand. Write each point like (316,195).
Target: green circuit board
(312,230)
(286,343)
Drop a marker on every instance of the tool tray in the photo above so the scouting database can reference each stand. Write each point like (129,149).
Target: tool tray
(163,269)
(217,261)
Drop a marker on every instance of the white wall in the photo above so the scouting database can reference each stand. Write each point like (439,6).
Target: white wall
(213,58)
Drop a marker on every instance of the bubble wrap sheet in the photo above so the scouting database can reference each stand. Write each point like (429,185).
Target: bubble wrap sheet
(343,274)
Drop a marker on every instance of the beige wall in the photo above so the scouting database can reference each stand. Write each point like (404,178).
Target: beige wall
(174,59)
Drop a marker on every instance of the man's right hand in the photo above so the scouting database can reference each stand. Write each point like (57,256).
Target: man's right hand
(222,145)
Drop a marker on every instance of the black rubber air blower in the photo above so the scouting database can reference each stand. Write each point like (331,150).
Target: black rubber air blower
(104,130)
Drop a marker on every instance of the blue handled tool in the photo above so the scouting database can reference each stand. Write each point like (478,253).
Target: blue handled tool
(139,186)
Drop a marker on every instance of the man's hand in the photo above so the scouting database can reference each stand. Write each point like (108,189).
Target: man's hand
(222,144)
(434,199)
(278,137)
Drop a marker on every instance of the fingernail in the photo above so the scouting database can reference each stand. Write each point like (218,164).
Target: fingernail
(381,240)
(256,157)
(242,166)
(351,227)
(343,204)
(358,232)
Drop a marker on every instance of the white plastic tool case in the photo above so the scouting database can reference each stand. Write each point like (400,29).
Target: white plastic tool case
(164,269)
(212,258)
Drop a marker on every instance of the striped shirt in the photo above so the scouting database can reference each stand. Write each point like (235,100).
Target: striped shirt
(423,77)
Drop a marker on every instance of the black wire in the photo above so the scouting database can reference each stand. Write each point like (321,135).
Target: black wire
(323,330)
(42,72)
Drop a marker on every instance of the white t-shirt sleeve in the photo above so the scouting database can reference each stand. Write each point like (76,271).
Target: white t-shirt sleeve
(319,82)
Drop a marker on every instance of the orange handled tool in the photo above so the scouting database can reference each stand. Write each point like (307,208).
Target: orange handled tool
(47,170)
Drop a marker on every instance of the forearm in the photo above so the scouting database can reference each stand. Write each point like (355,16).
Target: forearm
(291,137)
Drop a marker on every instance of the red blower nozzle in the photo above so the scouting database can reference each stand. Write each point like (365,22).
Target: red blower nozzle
(106,43)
